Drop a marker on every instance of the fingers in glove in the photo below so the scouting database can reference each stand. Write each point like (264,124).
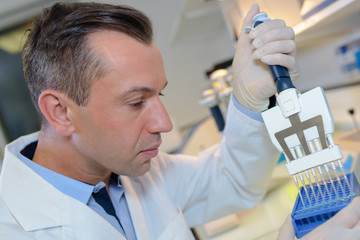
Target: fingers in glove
(278,34)
(281,46)
(248,18)
(266,27)
(244,39)
(283,60)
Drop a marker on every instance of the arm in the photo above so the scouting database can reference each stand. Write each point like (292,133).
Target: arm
(232,176)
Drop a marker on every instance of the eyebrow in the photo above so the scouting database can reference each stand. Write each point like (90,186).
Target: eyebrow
(141,89)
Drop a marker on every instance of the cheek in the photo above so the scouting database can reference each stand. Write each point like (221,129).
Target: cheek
(96,132)
(119,135)
(115,129)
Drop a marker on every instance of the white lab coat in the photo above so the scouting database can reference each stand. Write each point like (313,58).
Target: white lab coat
(178,192)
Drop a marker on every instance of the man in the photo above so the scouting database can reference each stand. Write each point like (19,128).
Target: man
(94,171)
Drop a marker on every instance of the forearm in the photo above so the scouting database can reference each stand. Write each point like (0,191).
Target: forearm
(248,155)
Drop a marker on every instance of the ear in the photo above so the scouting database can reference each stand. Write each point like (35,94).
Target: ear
(56,107)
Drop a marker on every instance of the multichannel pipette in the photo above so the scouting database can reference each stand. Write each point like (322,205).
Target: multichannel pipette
(301,126)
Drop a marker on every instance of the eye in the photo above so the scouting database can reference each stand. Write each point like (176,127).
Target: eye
(137,104)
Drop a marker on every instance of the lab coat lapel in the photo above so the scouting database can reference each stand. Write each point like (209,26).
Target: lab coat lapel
(81,222)
(30,199)
(133,191)
(37,205)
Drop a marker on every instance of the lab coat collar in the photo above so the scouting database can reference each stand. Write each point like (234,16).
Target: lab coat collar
(37,205)
(22,195)
(76,189)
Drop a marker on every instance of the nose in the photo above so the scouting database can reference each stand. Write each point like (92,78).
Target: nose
(160,120)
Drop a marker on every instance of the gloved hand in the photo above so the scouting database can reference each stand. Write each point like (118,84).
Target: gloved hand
(345,225)
(270,43)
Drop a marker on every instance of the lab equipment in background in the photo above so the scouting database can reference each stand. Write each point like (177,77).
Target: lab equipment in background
(351,112)
(234,11)
(348,56)
(310,7)
(217,97)
(301,127)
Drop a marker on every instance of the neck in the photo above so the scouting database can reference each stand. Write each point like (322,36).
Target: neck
(57,153)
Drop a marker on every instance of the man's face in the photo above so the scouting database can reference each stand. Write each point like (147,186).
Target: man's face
(119,128)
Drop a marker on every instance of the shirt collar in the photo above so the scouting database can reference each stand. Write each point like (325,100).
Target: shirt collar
(115,183)
(76,189)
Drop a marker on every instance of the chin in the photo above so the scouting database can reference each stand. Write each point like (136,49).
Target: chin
(141,170)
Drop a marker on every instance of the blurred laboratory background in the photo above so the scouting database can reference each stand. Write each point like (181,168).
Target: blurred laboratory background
(197,39)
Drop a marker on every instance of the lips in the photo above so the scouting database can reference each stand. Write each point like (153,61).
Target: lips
(151,151)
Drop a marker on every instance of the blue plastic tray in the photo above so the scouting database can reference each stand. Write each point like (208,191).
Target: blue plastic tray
(305,219)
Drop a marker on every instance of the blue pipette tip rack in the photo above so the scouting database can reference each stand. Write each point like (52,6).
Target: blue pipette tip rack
(305,219)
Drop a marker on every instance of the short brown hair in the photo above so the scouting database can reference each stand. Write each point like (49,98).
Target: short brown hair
(57,55)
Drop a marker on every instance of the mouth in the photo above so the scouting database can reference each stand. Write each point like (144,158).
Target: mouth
(151,151)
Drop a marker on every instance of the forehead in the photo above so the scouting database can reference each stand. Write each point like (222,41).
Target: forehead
(113,46)
(118,49)
(129,62)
